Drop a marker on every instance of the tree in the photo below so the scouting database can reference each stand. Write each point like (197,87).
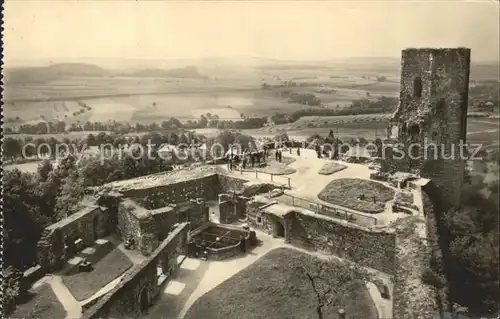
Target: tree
(331,281)
(43,170)
(71,194)
(11,147)
(23,219)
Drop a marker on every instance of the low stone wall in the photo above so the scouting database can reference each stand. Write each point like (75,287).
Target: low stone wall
(31,275)
(224,253)
(141,282)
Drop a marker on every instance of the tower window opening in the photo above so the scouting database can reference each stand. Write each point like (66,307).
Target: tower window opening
(440,106)
(414,130)
(417,87)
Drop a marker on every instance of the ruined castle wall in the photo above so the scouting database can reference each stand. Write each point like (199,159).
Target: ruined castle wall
(321,233)
(164,223)
(228,184)
(227,212)
(153,198)
(419,281)
(257,218)
(371,249)
(433,114)
(411,297)
(124,300)
(129,225)
(89,224)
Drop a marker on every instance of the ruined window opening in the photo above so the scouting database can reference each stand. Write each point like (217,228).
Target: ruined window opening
(394,131)
(440,106)
(417,87)
(414,129)
(434,134)
(259,219)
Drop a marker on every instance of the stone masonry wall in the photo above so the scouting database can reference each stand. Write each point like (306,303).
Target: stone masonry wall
(153,198)
(89,224)
(433,117)
(370,249)
(227,212)
(228,184)
(258,219)
(128,224)
(411,297)
(124,300)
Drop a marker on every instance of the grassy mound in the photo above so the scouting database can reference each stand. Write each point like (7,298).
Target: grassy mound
(347,192)
(277,286)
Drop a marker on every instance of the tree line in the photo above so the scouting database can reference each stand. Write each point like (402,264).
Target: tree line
(362,106)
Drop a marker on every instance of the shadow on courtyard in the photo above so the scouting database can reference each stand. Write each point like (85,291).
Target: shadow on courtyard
(175,293)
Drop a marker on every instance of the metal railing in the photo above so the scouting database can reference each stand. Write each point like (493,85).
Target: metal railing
(327,210)
(265,176)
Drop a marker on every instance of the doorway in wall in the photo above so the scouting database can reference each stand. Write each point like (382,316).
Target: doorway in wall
(280,229)
(144,300)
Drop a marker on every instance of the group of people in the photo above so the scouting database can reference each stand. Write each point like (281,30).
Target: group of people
(278,155)
(247,157)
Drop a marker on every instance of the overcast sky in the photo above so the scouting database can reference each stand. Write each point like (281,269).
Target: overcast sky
(303,30)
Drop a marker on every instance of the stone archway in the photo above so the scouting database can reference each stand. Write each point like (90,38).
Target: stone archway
(279,229)
(144,300)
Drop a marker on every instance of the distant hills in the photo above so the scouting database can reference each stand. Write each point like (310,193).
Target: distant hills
(190,72)
(190,68)
(26,75)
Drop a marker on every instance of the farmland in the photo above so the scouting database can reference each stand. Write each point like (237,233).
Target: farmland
(228,91)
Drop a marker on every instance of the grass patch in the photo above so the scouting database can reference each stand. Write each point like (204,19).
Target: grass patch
(331,168)
(275,167)
(404,197)
(85,284)
(346,192)
(276,287)
(42,304)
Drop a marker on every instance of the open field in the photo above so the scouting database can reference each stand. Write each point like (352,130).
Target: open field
(274,287)
(156,99)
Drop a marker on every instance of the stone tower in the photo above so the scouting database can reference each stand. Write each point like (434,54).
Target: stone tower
(430,123)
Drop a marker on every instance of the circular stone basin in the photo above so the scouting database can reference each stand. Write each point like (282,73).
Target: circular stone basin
(358,194)
(222,242)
